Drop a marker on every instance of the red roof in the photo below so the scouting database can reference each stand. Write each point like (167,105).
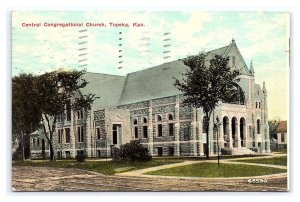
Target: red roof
(282,127)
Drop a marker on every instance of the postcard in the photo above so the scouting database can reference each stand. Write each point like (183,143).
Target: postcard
(154,101)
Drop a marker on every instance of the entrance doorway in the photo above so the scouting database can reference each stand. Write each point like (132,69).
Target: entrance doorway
(117,134)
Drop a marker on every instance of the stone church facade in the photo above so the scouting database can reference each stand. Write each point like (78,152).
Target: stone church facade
(146,106)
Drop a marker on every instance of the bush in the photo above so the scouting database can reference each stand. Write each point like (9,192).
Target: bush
(80,158)
(226,151)
(133,151)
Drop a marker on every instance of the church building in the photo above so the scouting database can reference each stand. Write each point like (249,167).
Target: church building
(146,106)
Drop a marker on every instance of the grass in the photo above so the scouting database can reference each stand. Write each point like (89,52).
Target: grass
(104,167)
(281,160)
(212,170)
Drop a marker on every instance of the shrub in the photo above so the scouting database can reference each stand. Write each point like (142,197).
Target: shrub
(226,151)
(133,151)
(80,158)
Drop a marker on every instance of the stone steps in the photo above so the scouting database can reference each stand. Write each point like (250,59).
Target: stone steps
(242,151)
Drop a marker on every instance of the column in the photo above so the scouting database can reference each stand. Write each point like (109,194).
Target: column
(230,134)
(221,137)
(150,121)
(177,126)
(199,124)
(238,134)
(194,125)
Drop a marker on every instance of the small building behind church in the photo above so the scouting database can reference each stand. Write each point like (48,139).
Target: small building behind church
(282,139)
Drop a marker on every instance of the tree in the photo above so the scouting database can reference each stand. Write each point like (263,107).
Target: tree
(52,95)
(273,125)
(205,86)
(25,115)
(59,93)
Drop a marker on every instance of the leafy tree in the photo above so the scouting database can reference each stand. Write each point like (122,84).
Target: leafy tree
(59,92)
(273,125)
(25,114)
(53,94)
(204,86)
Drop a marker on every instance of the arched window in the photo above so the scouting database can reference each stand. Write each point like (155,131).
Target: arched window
(170,117)
(258,126)
(159,118)
(238,96)
(135,121)
(144,120)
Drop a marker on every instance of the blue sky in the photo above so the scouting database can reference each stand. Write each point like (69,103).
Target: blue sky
(260,36)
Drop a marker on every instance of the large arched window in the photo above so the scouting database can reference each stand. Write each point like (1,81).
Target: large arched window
(238,95)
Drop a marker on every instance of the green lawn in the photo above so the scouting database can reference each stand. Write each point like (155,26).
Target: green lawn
(282,161)
(107,168)
(212,170)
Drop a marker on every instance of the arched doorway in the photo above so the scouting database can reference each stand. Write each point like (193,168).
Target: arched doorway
(234,131)
(226,132)
(243,132)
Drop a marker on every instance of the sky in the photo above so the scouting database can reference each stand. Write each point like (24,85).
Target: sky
(262,37)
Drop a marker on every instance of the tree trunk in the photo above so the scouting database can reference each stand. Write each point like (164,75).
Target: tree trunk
(207,134)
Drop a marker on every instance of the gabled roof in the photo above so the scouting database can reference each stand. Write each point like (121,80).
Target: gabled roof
(107,87)
(156,82)
(150,83)
(282,127)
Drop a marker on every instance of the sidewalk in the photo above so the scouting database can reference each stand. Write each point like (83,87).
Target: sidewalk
(141,172)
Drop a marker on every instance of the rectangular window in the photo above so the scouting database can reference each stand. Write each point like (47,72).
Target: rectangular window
(67,132)
(159,130)
(59,118)
(68,108)
(68,154)
(282,137)
(59,136)
(80,152)
(98,133)
(186,133)
(171,129)
(159,151)
(171,151)
(98,153)
(80,114)
(136,132)
(145,131)
(38,141)
(80,134)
